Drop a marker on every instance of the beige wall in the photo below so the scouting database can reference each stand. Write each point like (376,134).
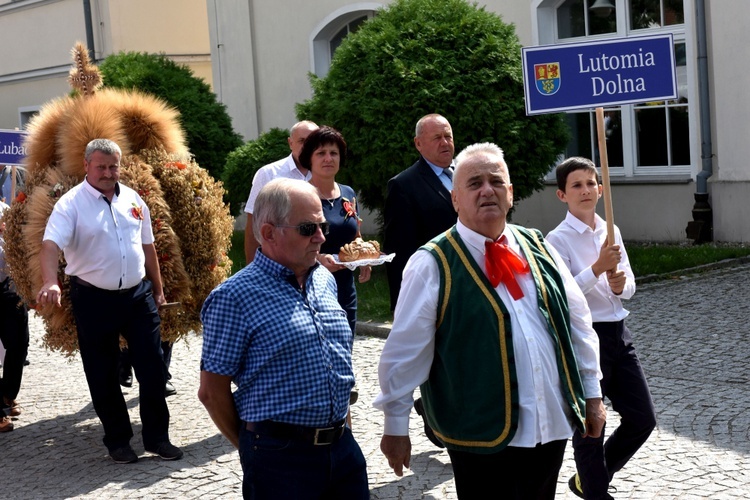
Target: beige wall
(643,212)
(42,34)
(262,58)
(729,79)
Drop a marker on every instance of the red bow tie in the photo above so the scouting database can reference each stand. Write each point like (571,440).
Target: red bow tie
(502,265)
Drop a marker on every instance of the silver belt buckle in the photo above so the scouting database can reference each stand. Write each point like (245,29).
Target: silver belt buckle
(317,435)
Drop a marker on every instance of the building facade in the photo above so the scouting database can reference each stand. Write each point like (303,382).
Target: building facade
(263,51)
(39,36)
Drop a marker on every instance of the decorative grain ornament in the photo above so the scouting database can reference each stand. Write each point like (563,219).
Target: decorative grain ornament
(84,76)
(191,224)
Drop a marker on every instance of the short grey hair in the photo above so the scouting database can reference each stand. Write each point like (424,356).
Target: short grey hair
(421,122)
(104,145)
(274,202)
(479,149)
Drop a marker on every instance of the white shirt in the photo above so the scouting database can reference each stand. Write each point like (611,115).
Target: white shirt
(284,168)
(408,353)
(102,242)
(579,247)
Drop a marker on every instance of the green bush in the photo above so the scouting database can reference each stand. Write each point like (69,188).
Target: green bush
(431,56)
(208,127)
(243,162)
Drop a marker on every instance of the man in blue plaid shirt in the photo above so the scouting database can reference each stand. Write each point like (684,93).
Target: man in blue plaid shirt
(276,330)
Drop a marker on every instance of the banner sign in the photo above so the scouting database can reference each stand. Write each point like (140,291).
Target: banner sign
(12,150)
(600,73)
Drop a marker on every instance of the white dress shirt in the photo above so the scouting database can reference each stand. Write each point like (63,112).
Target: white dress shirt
(102,242)
(579,246)
(281,169)
(408,353)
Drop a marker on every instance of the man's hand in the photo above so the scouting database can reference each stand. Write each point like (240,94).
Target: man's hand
(616,281)
(326,260)
(49,294)
(596,417)
(397,449)
(609,257)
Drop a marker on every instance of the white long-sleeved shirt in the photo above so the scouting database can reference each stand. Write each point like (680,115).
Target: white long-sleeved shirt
(408,353)
(579,246)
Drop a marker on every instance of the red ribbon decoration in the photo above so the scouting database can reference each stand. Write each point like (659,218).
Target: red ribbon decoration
(502,265)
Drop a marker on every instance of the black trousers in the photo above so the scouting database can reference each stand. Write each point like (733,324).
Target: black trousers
(624,384)
(14,333)
(126,365)
(101,317)
(512,473)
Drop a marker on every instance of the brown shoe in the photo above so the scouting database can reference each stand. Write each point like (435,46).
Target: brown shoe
(14,409)
(5,424)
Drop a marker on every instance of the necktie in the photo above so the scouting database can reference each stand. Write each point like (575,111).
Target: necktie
(448,172)
(503,264)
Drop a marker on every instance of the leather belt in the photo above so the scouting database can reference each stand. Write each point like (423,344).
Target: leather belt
(85,284)
(315,435)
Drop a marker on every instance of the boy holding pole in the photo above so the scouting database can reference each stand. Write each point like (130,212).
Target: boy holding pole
(602,270)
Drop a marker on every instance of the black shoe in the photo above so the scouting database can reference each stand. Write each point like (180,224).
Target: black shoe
(167,451)
(574,483)
(123,455)
(427,429)
(126,378)
(169,389)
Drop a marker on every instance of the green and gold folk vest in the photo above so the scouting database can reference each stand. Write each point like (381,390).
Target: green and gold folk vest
(471,395)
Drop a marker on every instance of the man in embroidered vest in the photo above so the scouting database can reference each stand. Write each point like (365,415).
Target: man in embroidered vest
(493,328)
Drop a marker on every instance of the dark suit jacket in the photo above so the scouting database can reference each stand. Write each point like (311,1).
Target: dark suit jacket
(417,208)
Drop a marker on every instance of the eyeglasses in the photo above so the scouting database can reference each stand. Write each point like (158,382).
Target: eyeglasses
(308,229)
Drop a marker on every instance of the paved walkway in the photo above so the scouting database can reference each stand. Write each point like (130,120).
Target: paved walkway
(692,335)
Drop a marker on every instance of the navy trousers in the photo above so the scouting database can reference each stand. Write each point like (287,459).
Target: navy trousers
(14,333)
(513,473)
(101,317)
(624,384)
(284,469)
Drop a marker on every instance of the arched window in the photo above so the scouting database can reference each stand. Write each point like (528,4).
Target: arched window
(642,139)
(329,34)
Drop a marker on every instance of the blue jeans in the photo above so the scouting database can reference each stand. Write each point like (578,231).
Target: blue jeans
(101,317)
(296,470)
(624,384)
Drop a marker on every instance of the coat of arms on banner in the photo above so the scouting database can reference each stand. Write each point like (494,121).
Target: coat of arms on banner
(547,77)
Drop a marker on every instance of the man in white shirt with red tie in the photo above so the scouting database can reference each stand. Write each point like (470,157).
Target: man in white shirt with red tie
(493,328)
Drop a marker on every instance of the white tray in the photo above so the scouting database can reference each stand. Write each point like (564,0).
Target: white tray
(364,262)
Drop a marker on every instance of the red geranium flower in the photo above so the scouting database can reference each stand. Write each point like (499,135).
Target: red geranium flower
(136,212)
(350,207)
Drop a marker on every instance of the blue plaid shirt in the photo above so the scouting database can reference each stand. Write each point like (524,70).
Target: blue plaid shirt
(288,351)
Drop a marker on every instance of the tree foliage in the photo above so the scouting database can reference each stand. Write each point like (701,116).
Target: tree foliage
(243,162)
(208,127)
(431,56)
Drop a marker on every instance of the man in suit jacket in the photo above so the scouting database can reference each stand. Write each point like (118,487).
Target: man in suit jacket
(418,203)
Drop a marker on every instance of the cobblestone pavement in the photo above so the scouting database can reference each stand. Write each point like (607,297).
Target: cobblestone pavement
(693,340)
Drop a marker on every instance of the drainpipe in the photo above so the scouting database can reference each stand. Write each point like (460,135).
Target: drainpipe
(700,229)
(89,29)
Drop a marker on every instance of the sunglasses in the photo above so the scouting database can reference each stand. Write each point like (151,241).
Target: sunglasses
(308,229)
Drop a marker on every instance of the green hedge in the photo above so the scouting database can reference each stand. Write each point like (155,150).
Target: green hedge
(431,56)
(243,162)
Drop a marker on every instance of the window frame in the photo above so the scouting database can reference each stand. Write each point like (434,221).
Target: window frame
(545,32)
